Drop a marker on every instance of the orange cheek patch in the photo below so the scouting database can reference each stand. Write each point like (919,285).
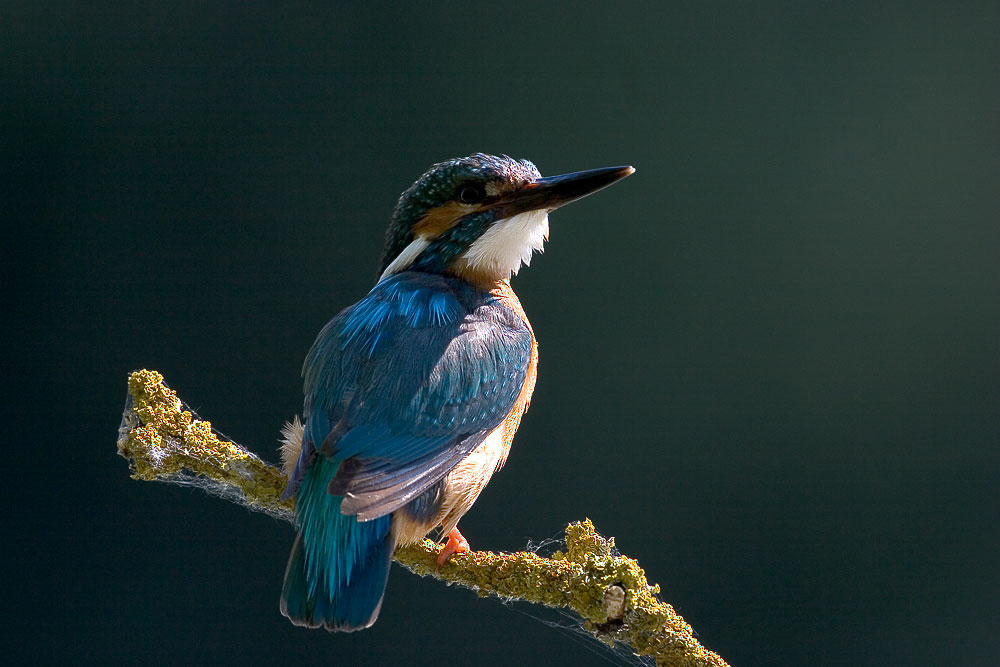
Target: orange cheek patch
(439,220)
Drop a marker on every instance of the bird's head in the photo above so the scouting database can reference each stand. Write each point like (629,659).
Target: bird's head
(481,217)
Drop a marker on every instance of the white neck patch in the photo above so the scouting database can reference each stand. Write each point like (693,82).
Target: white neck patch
(407,257)
(508,244)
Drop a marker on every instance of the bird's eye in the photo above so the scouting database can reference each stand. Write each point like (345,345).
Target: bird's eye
(471,193)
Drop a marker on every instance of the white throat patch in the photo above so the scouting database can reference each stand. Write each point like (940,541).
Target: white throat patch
(508,244)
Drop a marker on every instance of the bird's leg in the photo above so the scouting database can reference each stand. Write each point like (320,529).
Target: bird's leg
(457,544)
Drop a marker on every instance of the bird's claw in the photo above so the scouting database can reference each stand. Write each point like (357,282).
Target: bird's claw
(457,544)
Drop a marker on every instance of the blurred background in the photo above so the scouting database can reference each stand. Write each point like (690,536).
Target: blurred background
(770,360)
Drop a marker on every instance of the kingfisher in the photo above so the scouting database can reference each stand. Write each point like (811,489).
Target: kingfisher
(413,394)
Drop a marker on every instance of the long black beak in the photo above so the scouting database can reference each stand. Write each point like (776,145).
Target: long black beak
(554,191)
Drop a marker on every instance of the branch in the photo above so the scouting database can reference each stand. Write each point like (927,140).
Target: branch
(164,442)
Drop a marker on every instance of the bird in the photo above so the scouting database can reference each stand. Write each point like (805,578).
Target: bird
(413,394)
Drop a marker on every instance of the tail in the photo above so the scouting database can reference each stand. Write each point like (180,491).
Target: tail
(339,566)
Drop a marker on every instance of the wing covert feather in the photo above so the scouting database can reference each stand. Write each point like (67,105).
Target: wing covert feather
(407,382)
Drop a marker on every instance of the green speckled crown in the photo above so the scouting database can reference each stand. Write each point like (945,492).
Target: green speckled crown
(440,185)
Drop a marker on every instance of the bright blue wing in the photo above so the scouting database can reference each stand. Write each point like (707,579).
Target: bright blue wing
(407,382)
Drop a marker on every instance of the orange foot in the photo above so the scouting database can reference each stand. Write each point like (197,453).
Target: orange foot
(457,544)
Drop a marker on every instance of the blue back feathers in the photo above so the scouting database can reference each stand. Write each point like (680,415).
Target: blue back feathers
(399,388)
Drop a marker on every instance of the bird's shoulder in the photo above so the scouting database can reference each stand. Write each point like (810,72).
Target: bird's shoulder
(414,300)
(420,340)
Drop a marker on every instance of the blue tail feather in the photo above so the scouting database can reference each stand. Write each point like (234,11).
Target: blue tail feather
(339,566)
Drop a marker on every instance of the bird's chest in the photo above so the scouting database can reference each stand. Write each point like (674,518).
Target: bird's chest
(465,482)
(504,292)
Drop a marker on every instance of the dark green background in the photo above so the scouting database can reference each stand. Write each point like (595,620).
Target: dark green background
(770,360)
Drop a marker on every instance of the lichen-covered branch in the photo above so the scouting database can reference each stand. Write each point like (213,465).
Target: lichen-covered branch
(164,442)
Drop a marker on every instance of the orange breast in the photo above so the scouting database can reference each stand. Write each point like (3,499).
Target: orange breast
(503,291)
(465,482)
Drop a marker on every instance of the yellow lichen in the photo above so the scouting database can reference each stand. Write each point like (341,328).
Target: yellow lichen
(161,440)
(165,440)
